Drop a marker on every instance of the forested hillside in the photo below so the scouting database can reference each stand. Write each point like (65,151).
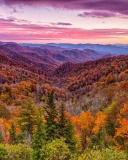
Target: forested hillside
(60,111)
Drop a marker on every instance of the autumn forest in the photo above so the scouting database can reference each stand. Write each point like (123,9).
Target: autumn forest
(55,108)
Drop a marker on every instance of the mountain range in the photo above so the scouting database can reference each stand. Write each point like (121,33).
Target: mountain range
(72,74)
(45,57)
(107,49)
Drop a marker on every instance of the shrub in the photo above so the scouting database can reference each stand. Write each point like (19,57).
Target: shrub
(57,149)
(3,152)
(104,154)
(18,152)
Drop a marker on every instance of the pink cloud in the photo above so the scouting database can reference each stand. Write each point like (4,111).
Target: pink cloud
(14,31)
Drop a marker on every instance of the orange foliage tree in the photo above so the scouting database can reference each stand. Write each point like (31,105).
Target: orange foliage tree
(122,129)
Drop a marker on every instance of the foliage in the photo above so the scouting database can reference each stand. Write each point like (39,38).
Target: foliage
(103,154)
(109,108)
(51,118)
(94,94)
(86,122)
(122,129)
(18,152)
(66,129)
(12,134)
(1,137)
(69,136)
(4,112)
(27,120)
(3,152)
(56,150)
(39,139)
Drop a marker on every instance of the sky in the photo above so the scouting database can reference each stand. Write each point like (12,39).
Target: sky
(64,21)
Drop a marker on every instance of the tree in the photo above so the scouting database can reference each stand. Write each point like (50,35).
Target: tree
(86,121)
(56,150)
(111,112)
(18,152)
(12,134)
(122,129)
(99,137)
(66,128)
(69,135)
(39,139)
(27,120)
(99,122)
(3,152)
(62,121)
(51,118)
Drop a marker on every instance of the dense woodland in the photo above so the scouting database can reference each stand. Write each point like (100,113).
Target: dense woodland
(67,112)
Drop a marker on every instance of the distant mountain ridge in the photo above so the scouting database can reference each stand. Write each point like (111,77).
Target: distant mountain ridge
(45,57)
(109,48)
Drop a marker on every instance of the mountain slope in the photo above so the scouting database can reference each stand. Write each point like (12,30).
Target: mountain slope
(103,70)
(92,85)
(49,56)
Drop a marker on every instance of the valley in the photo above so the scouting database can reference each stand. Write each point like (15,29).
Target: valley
(92,88)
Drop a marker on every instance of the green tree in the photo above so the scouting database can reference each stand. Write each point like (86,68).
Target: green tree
(62,121)
(39,139)
(51,118)
(27,120)
(69,135)
(18,152)
(3,152)
(12,134)
(56,150)
(66,128)
(103,154)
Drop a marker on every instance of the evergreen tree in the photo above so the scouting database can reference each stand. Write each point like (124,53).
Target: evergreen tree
(66,128)
(51,118)
(69,132)
(39,139)
(27,120)
(62,121)
(110,127)
(12,134)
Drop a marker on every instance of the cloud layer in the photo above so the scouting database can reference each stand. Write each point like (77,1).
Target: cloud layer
(11,30)
(115,6)
(101,14)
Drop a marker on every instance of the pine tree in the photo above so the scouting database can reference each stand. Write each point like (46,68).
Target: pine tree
(51,118)
(69,132)
(66,128)
(39,139)
(12,134)
(27,120)
(62,121)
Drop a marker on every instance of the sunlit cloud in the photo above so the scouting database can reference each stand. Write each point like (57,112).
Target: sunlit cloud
(10,30)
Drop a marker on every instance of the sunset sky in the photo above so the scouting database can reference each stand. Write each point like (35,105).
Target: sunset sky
(64,21)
